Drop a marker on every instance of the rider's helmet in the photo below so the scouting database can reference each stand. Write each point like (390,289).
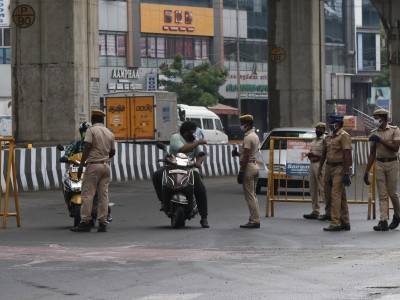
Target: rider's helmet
(82,129)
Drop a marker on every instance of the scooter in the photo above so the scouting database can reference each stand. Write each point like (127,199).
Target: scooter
(72,188)
(179,202)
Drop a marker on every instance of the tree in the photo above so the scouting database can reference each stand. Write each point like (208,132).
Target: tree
(196,86)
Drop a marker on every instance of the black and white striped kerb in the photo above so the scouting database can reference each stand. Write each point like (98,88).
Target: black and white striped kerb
(38,168)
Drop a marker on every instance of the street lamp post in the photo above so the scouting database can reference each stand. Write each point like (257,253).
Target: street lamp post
(238,59)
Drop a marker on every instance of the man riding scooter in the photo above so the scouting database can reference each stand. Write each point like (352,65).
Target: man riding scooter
(78,147)
(185,142)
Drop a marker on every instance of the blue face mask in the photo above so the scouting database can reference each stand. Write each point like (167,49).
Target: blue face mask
(377,122)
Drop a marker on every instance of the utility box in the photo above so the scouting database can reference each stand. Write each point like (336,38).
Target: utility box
(142,117)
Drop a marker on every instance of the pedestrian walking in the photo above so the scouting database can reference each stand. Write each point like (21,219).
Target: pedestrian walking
(99,148)
(249,171)
(337,154)
(316,183)
(384,145)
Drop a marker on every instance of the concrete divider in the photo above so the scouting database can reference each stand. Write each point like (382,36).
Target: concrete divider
(39,168)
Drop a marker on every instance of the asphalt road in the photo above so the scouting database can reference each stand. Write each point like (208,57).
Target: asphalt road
(141,257)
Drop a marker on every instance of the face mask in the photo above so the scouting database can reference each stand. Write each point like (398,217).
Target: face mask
(83,134)
(243,127)
(377,122)
(319,133)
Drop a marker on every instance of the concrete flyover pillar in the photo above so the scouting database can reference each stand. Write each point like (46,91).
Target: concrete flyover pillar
(389,10)
(296,67)
(55,68)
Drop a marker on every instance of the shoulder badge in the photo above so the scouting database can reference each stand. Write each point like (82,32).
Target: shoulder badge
(373,130)
(393,127)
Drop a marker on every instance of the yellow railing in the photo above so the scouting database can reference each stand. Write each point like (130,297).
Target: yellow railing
(367,195)
(10,170)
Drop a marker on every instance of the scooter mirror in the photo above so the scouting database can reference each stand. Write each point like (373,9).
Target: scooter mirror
(60,147)
(161,146)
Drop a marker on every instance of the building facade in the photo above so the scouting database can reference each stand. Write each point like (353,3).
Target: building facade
(137,37)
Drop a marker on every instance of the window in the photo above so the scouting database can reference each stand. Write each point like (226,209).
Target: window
(192,48)
(334,25)
(197,121)
(218,125)
(366,47)
(370,17)
(208,124)
(5,50)
(112,47)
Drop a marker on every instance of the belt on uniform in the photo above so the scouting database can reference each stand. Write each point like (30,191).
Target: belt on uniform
(334,164)
(252,161)
(98,162)
(386,159)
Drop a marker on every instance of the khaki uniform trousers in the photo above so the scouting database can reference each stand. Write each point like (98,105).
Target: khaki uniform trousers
(335,196)
(249,189)
(386,182)
(316,186)
(96,178)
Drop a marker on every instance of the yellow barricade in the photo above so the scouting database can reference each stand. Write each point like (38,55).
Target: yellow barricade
(278,180)
(10,170)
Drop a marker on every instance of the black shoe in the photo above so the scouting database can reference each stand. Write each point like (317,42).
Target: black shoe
(82,227)
(102,227)
(382,226)
(250,225)
(313,215)
(204,223)
(162,207)
(395,222)
(333,228)
(345,227)
(324,218)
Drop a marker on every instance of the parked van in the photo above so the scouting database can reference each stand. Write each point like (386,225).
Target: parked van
(208,121)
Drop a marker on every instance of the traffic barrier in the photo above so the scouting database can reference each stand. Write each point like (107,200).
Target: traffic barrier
(277,179)
(9,156)
(39,168)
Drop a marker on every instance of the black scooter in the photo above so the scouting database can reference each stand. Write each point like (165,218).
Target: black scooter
(178,198)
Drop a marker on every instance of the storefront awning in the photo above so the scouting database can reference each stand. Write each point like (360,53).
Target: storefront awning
(221,109)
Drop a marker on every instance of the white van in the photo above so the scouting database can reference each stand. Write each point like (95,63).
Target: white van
(208,121)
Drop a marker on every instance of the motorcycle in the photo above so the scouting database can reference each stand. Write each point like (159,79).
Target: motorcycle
(179,202)
(72,188)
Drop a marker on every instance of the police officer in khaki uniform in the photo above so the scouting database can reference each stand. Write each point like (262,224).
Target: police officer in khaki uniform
(249,171)
(384,145)
(99,148)
(316,183)
(337,154)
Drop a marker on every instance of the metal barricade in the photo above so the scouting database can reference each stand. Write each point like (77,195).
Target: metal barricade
(278,178)
(10,170)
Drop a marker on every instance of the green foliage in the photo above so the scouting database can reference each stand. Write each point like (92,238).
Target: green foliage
(196,86)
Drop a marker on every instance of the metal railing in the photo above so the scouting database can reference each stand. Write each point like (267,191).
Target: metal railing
(278,179)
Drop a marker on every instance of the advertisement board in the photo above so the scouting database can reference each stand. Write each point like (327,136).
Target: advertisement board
(176,20)
(142,117)
(4,13)
(297,162)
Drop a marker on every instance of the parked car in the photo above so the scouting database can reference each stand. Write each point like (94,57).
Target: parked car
(293,181)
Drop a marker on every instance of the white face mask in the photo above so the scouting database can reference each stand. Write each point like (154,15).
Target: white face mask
(377,122)
(243,127)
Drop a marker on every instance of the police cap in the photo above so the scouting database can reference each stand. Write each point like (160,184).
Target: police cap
(320,124)
(380,112)
(246,118)
(336,118)
(97,112)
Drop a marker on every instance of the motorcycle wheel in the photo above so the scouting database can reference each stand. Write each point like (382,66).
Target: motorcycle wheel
(178,217)
(77,214)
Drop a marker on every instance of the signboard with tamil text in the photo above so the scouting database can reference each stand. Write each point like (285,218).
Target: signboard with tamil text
(297,162)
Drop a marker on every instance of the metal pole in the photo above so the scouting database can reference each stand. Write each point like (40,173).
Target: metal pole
(238,59)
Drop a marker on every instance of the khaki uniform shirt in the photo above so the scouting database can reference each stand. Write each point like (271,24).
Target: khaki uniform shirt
(102,140)
(335,144)
(252,142)
(389,134)
(317,147)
